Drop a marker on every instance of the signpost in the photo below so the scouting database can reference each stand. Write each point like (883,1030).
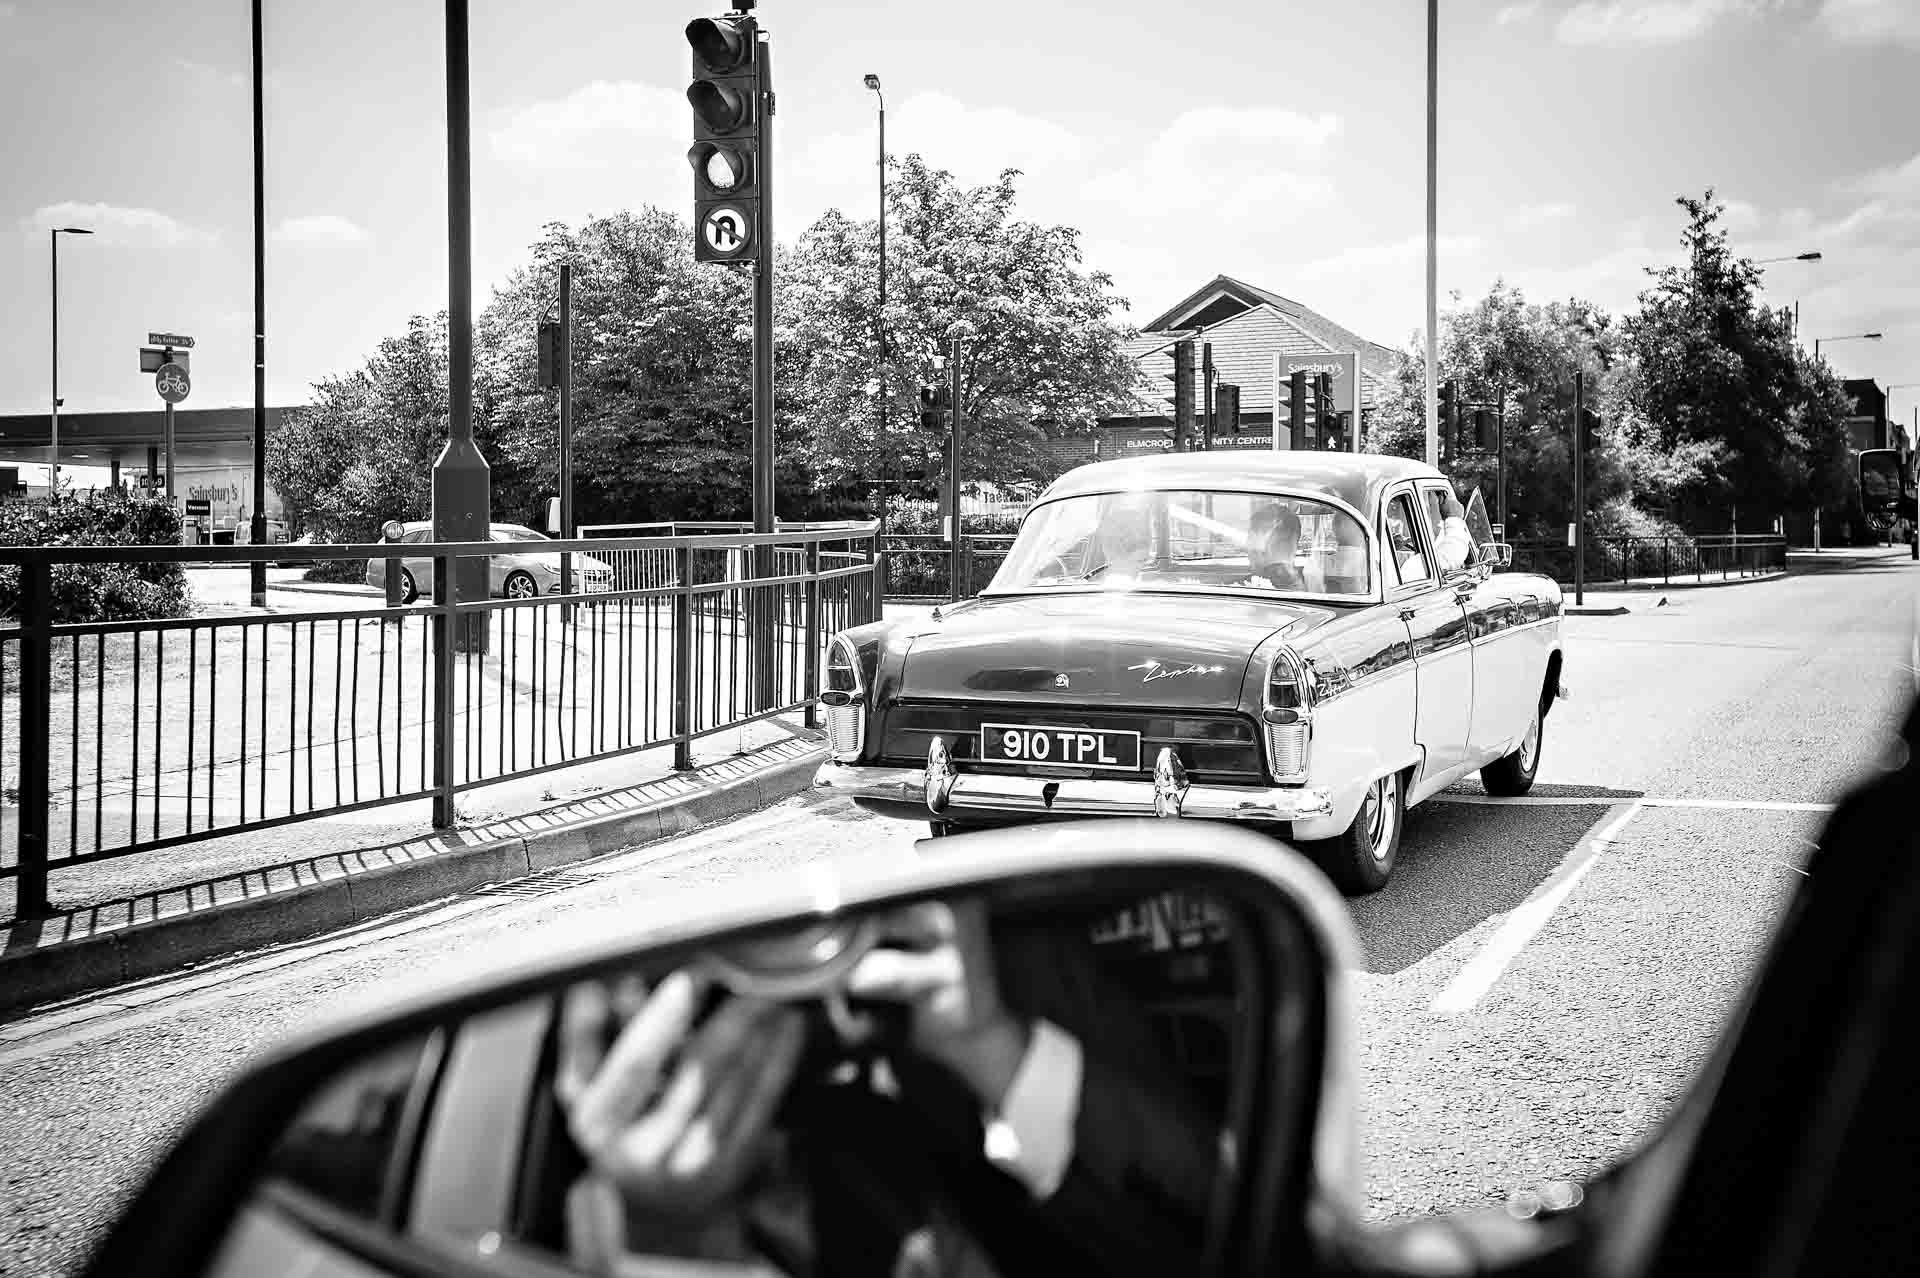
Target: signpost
(1343,367)
(167,360)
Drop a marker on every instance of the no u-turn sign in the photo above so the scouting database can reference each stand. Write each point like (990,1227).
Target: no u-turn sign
(726,231)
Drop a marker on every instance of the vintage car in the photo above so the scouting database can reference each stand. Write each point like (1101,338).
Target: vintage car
(1259,638)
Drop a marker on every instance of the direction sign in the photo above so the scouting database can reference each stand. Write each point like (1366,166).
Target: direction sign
(172,383)
(152,357)
(727,230)
(170,339)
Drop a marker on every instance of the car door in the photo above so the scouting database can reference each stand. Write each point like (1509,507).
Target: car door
(1442,651)
(1509,664)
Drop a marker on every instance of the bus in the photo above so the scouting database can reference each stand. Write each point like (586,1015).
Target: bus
(1887,493)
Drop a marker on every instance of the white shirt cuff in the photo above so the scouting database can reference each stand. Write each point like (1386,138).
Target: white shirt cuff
(1032,1137)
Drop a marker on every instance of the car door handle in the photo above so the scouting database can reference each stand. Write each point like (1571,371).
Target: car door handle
(1464,595)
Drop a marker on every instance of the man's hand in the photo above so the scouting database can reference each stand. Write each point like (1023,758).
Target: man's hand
(942,969)
(675,1116)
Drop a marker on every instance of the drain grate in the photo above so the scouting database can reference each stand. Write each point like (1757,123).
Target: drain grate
(545,883)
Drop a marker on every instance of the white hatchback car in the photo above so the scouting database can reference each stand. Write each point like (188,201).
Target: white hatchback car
(513,575)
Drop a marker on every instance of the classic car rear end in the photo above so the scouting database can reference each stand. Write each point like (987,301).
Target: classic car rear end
(1200,636)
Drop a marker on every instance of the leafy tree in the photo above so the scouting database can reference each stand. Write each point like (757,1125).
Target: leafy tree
(1041,349)
(1720,380)
(1504,350)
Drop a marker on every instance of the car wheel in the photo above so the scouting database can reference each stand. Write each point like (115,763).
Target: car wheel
(1361,860)
(520,585)
(408,591)
(1513,774)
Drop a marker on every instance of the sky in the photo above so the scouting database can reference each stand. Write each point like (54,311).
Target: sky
(1282,143)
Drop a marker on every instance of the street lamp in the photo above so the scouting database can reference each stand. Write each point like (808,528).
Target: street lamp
(1792,257)
(880,320)
(53,451)
(1850,337)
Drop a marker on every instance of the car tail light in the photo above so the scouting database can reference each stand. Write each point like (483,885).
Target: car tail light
(843,701)
(1287,718)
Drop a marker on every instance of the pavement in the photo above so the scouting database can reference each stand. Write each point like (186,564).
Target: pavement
(1540,980)
(135,916)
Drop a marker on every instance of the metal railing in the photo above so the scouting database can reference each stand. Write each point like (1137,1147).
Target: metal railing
(1653,561)
(919,565)
(124,737)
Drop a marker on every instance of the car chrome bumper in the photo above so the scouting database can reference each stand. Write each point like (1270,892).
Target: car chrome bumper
(942,793)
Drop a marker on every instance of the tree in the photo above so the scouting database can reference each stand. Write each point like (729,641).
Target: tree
(1042,352)
(1505,350)
(1720,380)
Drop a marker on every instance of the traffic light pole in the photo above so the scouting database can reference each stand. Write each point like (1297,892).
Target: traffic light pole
(461,483)
(1206,364)
(1579,488)
(565,372)
(1500,464)
(763,434)
(955,427)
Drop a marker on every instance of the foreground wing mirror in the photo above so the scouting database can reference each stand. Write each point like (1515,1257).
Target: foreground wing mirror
(1113,1046)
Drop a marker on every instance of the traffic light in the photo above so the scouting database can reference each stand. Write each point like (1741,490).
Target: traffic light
(1183,395)
(1226,406)
(1449,398)
(1323,423)
(1589,431)
(548,341)
(1297,408)
(1486,431)
(934,402)
(726,97)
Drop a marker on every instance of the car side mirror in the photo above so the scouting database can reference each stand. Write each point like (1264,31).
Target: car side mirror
(1498,555)
(1196,973)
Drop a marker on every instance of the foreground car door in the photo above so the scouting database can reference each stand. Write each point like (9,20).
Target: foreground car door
(1509,663)
(1442,653)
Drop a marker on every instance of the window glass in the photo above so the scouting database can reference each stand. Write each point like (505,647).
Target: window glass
(417,536)
(342,1143)
(514,532)
(1182,539)
(1403,541)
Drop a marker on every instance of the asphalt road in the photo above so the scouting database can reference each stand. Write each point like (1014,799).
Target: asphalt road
(1541,980)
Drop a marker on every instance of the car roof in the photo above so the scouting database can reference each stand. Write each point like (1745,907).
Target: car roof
(1354,478)
(415,525)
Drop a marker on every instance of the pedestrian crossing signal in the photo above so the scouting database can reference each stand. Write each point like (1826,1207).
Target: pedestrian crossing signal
(934,403)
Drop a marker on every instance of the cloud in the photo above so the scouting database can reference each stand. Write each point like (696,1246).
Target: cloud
(322,228)
(974,143)
(115,224)
(1530,216)
(1396,253)
(205,72)
(1872,21)
(1227,163)
(1515,13)
(1625,22)
(591,127)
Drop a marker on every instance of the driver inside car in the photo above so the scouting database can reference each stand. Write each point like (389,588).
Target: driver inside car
(1059,1147)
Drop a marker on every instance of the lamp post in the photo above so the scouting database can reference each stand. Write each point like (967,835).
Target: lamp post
(1847,337)
(257,528)
(1793,257)
(1433,201)
(880,317)
(53,451)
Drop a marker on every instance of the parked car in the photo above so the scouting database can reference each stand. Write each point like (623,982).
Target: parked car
(510,575)
(1130,659)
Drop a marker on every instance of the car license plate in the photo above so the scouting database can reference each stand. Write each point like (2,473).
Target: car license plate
(1060,747)
(595,587)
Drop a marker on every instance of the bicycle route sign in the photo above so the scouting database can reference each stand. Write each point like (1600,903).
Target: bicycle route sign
(172,382)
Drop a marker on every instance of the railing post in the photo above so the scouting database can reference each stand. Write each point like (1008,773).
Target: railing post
(876,577)
(36,728)
(446,619)
(683,658)
(1666,560)
(812,714)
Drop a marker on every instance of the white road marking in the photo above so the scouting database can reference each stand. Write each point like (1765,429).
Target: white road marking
(1524,922)
(1567,801)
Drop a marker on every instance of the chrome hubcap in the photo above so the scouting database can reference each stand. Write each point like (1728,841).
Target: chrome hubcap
(1530,744)
(1377,814)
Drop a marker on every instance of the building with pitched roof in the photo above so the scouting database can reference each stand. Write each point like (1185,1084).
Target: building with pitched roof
(1246,326)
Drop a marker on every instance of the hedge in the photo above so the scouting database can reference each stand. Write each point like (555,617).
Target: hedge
(97,592)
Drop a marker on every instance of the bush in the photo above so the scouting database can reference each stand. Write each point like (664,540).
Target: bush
(97,592)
